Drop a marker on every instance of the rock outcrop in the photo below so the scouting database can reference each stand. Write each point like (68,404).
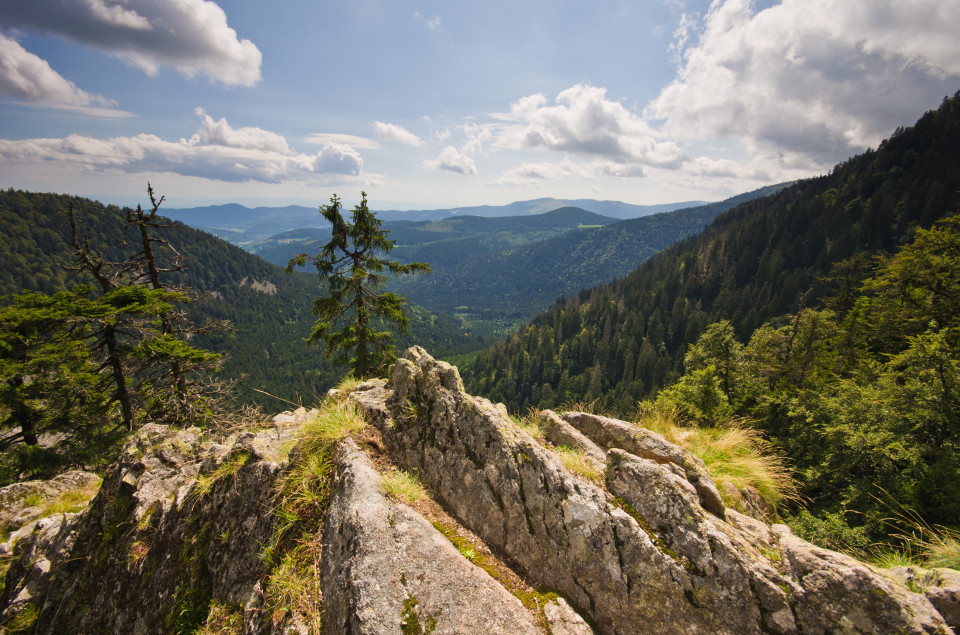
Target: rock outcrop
(178,522)
(653,552)
(641,544)
(385,566)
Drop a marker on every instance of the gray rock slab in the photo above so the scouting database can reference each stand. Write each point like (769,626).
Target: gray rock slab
(388,570)
(612,433)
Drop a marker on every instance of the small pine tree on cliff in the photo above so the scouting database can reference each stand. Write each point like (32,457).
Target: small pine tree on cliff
(356,273)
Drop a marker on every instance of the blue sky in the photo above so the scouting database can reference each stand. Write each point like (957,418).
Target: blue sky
(441,104)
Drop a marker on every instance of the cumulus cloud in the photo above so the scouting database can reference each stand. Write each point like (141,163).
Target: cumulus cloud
(583,121)
(216,151)
(25,76)
(819,79)
(191,36)
(396,134)
(453,160)
(220,133)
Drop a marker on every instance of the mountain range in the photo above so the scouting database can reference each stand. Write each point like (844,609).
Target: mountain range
(241,225)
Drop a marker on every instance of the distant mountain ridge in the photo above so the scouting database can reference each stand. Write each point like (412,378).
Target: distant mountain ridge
(239,224)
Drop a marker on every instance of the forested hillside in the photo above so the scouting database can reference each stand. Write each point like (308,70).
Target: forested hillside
(445,242)
(496,272)
(514,282)
(617,343)
(269,309)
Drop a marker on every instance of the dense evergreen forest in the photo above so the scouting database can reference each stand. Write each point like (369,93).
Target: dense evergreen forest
(618,343)
(270,310)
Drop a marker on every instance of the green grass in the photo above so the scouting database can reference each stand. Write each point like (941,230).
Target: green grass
(303,494)
(228,469)
(530,424)
(918,543)
(578,463)
(222,620)
(402,486)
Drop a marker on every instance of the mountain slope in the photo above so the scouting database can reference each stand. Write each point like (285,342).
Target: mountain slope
(620,342)
(270,310)
(441,242)
(515,281)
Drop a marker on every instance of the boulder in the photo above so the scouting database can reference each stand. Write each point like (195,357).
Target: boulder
(940,586)
(179,521)
(15,512)
(560,433)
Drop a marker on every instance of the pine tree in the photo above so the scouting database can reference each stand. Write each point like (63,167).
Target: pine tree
(356,275)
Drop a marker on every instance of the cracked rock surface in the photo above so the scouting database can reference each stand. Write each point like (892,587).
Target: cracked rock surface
(181,521)
(385,567)
(655,551)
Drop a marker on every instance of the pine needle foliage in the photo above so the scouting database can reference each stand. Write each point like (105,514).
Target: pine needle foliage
(356,275)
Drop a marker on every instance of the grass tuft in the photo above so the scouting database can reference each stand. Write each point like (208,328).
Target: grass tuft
(920,543)
(402,486)
(294,584)
(578,463)
(303,494)
(733,451)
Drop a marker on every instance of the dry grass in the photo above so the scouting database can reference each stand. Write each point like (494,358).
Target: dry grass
(733,452)
(530,424)
(294,585)
(303,493)
(921,544)
(222,620)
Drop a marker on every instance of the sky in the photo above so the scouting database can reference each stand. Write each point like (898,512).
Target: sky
(454,103)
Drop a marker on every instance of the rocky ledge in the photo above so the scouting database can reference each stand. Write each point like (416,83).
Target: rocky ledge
(510,540)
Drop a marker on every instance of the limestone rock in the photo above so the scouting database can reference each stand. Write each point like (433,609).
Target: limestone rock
(563,620)
(840,593)
(747,500)
(560,433)
(181,520)
(14,513)
(385,568)
(940,586)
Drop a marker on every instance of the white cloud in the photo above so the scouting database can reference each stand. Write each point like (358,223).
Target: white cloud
(432,23)
(453,160)
(118,15)
(566,169)
(216,151)
(191,36)
(219,133)
(323,138)
(25,76)
(815,79)
(396,134)
(477,135)
(585,122)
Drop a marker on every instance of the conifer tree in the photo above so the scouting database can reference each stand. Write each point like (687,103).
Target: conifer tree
(356,275)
